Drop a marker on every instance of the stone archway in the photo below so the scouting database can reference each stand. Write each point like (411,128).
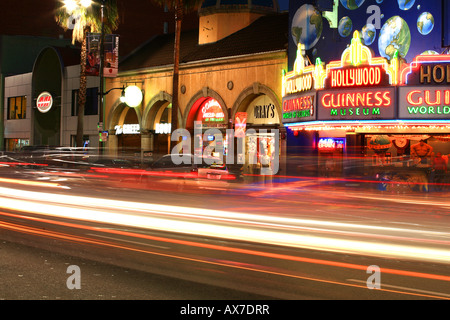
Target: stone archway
(117,116)
(250,93)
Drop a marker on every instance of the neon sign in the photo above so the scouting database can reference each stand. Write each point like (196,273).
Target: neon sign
(299,107)
(212,111)
(424,102)
(370,75)
(356,99)
(427,69)
(302,78)
(362,104)
(357,67)
(330,144)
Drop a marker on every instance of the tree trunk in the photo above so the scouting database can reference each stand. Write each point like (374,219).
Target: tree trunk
(176,63)
(81,94)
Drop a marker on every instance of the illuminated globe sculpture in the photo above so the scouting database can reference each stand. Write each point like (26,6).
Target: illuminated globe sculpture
(425,23)
(405,4)
(307,25)
(394,35)
(380,143)
(368,34)
(345,27)
(352,4)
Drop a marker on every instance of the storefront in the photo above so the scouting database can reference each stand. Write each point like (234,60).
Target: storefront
(373,113)
(262,137)
(207,123)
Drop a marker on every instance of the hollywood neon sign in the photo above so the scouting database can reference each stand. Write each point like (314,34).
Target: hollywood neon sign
(430,68)
(302,78)
(370,75)
(357,67)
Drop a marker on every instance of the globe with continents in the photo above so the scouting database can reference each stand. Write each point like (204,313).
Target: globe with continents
(368,33)
(405,4)
(345,26)
(307,26)
(394,36)
(425,23)
(352,4)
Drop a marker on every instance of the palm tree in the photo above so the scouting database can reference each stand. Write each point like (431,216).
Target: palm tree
(87,19)
(180,7)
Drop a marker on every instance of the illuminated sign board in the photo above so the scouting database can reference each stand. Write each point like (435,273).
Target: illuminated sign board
(211,111)
(330,144)
(300,107)
(299,89)
(357,86)
(44,102)
(303,77)
(357,68)
(427,70)
(163,128)
(240,124)
(356,104)
(424,102)
(425,90)
(127,129)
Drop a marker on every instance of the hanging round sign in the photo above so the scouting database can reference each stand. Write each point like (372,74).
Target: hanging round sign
(44,102)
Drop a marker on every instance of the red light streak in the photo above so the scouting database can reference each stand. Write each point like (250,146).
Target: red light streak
(230,264)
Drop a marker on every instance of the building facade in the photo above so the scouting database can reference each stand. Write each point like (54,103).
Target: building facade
(224,75)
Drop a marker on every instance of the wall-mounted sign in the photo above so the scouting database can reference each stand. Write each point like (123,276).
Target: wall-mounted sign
(111,54)
(211,111)
(424,102)
(299,107)
(44,102)
(427,70)
(303,77)
(127,129)
(262,111)
(357,68)
(356,104)
(240,124)
(163,128)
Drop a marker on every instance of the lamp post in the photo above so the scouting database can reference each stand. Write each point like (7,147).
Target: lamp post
(102,58)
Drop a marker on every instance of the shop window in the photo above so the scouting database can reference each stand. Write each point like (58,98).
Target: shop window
(91,105)
(17,107)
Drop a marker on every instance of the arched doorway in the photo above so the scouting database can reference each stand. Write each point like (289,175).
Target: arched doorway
(206,111)
(264,138)
(124,131)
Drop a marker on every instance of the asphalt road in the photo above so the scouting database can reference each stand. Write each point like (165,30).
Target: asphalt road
(29,273)
(407,235)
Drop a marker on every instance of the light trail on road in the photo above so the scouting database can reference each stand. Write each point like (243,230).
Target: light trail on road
(256,228)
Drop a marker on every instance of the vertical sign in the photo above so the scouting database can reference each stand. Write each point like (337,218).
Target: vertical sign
(111,56)
(240,124)
(111,65)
